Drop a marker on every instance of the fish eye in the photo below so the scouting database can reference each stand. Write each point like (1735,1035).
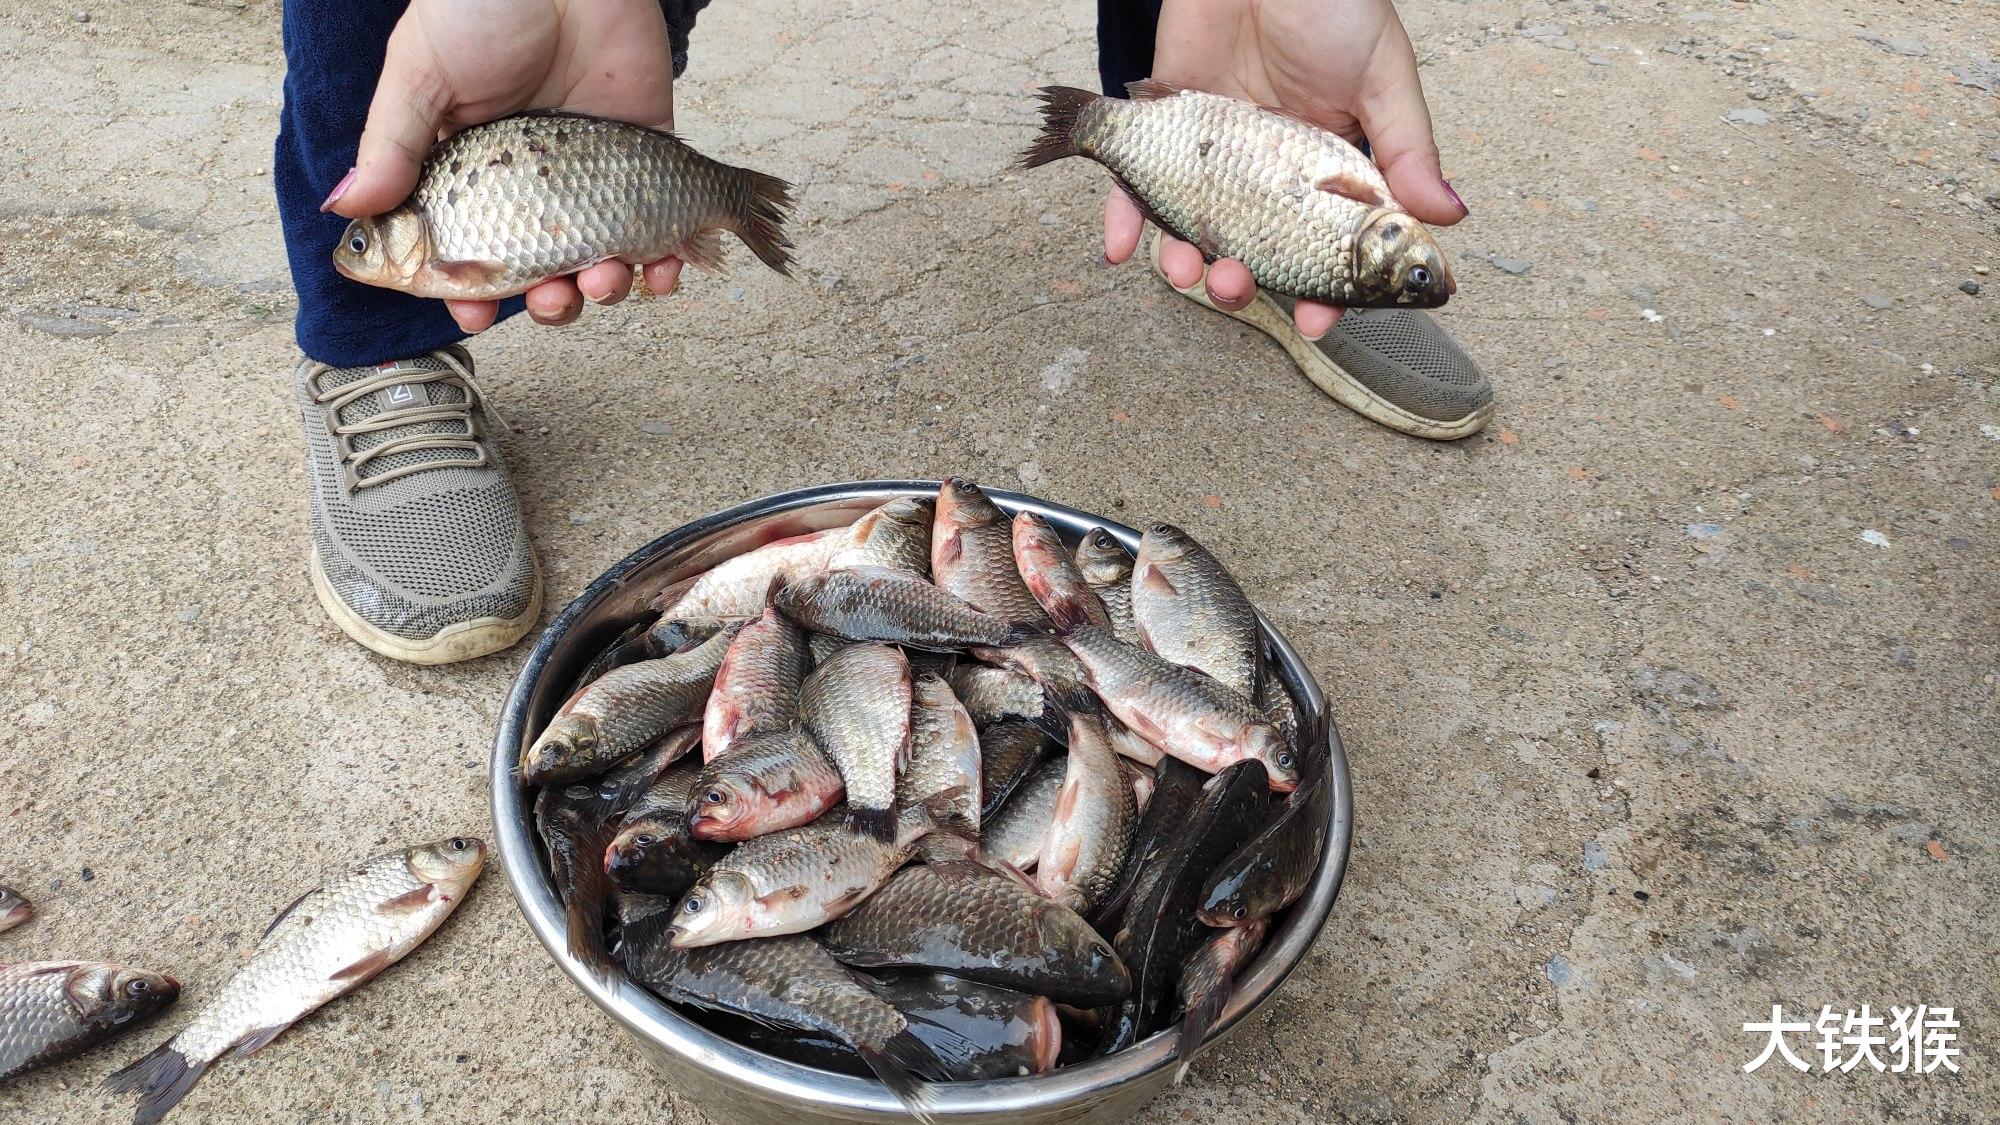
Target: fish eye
(1419,276)
(1285,760)
(712,797)
(138,987)
(359,243)
(645,839)
(693,905)
(457,843)
(1238,912)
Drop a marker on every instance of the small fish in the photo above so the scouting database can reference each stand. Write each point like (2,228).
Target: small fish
(1205,986)
(622,712)
(791,881)
(1090,829)
(856,707)
(1176,788)
(740,587)
(993,694)
(986,927)
(1015,833)
(1010,1034)
(655,852)
(972,555)
(1277,704)
(53,1010)
(1107,567)
(1061,676)
(896,536)
(1190,610)
(1309,214)
(14,908)
(1008,753)
(1179,710)
(756,685)
(503,206)
(767,783)
(328,943)
(577,824)
(1276,866)
(872,603)
(791,982)
(1052,575)
(944,755)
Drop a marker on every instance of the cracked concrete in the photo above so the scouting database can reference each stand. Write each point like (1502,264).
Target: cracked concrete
(1649,730)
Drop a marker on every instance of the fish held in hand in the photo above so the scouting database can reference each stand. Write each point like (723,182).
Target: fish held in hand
(1309,214)
(872,603)
(53,1010)
(1052,575)
(503,206)
(767,783)
(623,711)
(856,707)
(328,943)
(756,685)
(1190,611)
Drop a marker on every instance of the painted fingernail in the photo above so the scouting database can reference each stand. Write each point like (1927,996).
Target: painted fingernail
(339,190)
(1453,192)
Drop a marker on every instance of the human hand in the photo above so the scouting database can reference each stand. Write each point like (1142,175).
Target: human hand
(1346,64)
(455,63)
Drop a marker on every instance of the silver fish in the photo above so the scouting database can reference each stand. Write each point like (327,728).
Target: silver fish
(972,555)
(896,535)
(1052,575)
(1090,829)
(944,754)
(756,685)
(1191,611)
(1107,566)
(52,1010)
(1014,834)
(14,909)
(623,711)
(856,706)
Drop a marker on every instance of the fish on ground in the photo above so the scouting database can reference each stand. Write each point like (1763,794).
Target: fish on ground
(54,1010)
(14,909)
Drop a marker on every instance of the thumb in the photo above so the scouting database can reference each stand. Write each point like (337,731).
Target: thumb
(1398,125)
(403,120)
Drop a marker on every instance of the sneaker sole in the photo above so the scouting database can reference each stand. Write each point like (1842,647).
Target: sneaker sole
(1270,318)
(466,640)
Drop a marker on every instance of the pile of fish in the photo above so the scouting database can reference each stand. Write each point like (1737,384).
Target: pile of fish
(934,795)
(327,943)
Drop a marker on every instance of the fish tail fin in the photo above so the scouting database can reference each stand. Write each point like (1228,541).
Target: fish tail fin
(1060,701)
(1062,106)
(758,207)
(897,1063)
(879,823)
(1202,1011)
(161,1078)
(583,914)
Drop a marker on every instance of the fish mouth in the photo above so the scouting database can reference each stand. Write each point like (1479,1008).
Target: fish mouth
(1045,1036)
(15,915)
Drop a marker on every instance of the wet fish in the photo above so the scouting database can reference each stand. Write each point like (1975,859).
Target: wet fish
(1207,983)
(1190,611)
(756,685)
(14,908)
(1052,575)
(1008,753)
(1181,711)
(740,586)
(1061,676)
(577,824)
(1308,213)
(1276,866)
(944,755)
(1278,706)
(896,535)
(1141,780)
(630,646)
(329,942)
(1107,567)
(982,926)
(53,1010)
(768,783)
(791,881)
(993,694)
(1090,829)
(1016,830)
(622,712)
(822,647)
(655,851)
(1009,1033)
(856,707)
(972,555)
(502,206)
(1176,787)
(870,603)
(1161,930)
(792,982)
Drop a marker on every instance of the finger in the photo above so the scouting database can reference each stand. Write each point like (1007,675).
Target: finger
(605,283)
(1230,286)
(555,302)
(1122,227)
(474,316)
(663,276)
(409,105)
(1180,262)
(1398,124)
(1315,319)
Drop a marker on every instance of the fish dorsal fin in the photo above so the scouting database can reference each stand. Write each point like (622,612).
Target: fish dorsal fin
(1152,89)
(292,913)
(1353,186)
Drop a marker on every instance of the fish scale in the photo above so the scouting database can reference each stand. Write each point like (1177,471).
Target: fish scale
(857,708)
(51,1010)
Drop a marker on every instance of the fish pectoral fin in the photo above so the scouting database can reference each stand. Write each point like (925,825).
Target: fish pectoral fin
(470,272)
(783,895)
(259,1039)
(1155,580)
(409,901)
(365,968)
(1352,186)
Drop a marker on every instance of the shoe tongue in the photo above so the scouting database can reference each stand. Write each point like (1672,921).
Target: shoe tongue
(422,388)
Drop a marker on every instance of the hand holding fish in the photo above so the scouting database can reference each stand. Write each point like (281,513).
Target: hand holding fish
(1344,64)
(455,63)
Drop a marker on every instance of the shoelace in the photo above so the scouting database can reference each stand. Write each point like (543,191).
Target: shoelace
(353,459)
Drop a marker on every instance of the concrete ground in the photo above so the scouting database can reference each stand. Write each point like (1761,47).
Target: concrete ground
(1669,698)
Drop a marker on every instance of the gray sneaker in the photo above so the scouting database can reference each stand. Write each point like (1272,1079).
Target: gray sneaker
(418,547)
(1393,366)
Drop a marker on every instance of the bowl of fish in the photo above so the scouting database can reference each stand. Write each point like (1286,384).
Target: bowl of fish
(901,799)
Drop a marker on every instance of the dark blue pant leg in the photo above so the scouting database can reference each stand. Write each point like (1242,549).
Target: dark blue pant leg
(333,55)
(1125,30)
